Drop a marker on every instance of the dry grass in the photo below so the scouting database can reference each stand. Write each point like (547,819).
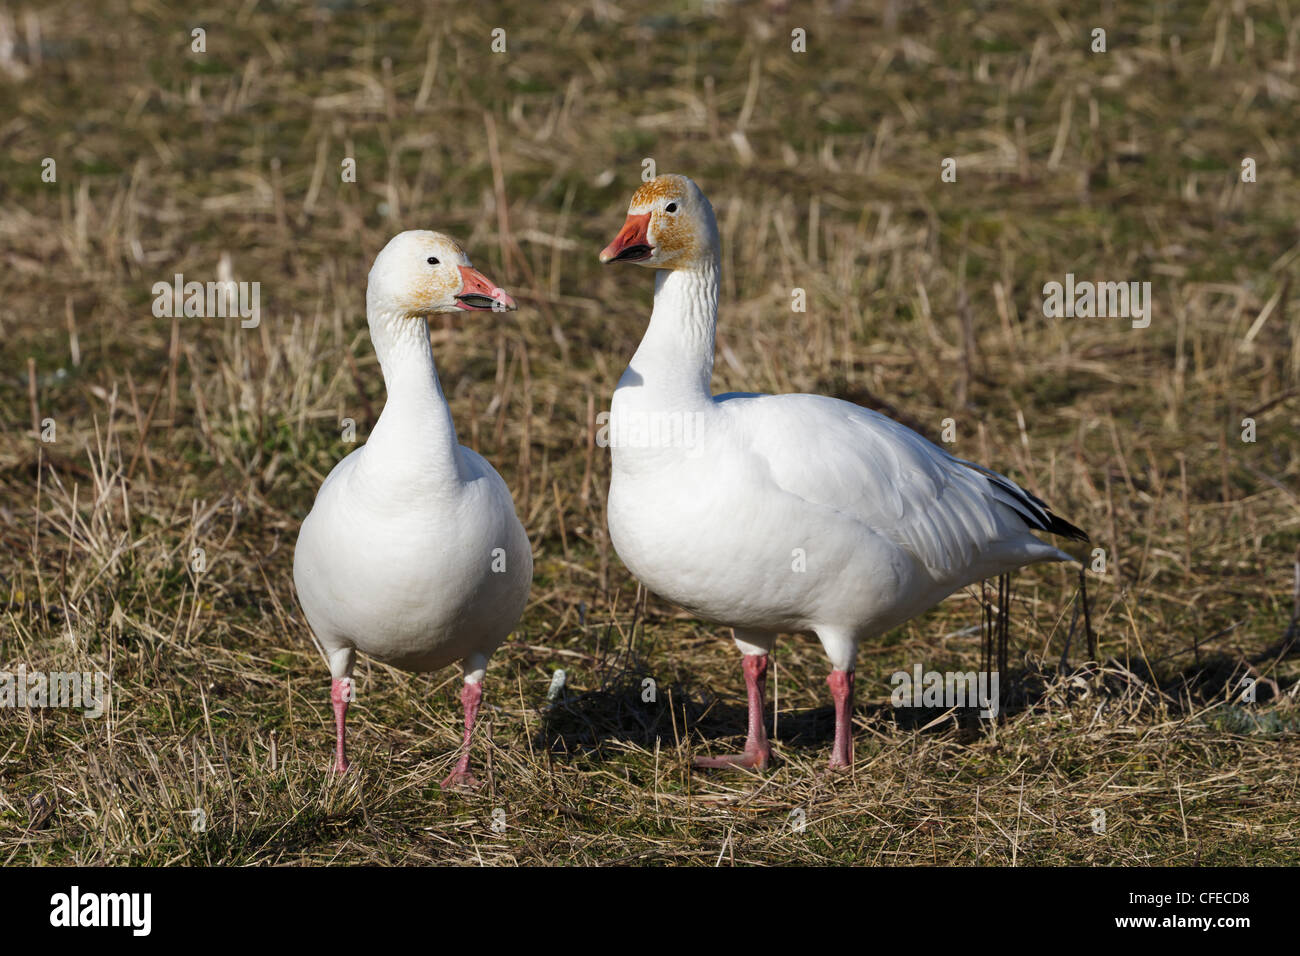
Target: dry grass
(924,300)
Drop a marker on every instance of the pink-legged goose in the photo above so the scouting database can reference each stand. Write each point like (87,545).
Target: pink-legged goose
(412,552)
(784,513)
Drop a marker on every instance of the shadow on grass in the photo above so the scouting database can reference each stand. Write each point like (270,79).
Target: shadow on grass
(628,709)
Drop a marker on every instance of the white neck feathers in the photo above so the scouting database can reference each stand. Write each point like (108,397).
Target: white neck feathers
(673,367)
(414,440)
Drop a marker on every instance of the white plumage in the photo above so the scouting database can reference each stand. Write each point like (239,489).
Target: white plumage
(784,513)
(412,552)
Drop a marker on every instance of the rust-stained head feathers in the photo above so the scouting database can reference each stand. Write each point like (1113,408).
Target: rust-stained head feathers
(670,225)
(421,272)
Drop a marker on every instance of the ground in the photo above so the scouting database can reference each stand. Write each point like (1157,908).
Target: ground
(153,471)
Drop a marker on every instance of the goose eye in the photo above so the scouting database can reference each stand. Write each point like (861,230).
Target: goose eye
(671,207)
(432,260)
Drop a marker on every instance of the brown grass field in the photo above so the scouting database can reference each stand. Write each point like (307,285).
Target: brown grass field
(924,301)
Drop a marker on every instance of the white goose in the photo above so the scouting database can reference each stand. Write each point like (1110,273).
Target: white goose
(784,513)
(413,553)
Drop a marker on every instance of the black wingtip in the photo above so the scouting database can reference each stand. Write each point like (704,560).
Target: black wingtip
(1031,508)
(1034,510)
(1058,525)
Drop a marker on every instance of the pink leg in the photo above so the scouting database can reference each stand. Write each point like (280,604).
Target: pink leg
(841,683)
(470,696)
(341,695)
(757,749)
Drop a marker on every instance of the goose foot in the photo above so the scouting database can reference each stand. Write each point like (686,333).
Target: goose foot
(758,752)
(341,695)
(841,684)
(748,760)
(460,780)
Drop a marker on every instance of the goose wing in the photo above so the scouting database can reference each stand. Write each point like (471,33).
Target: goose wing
(946,511)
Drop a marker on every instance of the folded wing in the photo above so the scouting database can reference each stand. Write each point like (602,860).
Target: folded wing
(949,513)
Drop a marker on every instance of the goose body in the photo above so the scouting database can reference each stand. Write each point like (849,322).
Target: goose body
(402,572)
(780,514)
(412,552)
(798,513)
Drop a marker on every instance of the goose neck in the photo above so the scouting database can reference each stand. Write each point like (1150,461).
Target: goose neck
(674,363)
(414,439)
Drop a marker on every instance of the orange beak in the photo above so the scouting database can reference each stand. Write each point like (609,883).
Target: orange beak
(632,244)
(478,293)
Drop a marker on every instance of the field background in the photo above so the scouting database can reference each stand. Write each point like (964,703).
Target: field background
(924,300)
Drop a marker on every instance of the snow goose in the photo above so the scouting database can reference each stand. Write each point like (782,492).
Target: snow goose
(784,513)
(412,552)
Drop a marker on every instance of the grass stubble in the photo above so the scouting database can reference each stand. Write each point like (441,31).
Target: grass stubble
(924,301)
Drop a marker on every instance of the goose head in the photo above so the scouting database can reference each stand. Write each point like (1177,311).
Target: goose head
(670,225)
(422,273)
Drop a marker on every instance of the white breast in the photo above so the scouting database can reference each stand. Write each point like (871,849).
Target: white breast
(414,579)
